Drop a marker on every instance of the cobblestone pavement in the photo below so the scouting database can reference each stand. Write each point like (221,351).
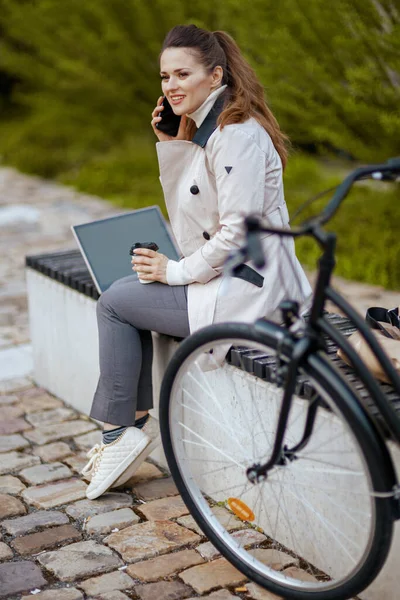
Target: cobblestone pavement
(136,543)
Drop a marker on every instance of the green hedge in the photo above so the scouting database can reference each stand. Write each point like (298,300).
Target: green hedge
(367,224)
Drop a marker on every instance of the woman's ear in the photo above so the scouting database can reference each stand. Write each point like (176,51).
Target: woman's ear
(217,76)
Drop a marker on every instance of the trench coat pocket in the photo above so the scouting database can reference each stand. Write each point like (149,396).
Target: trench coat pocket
(277,218)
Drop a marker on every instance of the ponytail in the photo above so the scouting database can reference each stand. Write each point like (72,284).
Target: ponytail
(245,94)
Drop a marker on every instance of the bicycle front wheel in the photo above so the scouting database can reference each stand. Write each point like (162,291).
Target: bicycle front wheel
(315,528)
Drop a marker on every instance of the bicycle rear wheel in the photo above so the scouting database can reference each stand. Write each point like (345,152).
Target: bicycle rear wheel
(315,528)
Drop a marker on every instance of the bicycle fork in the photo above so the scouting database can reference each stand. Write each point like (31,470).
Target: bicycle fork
(281,454)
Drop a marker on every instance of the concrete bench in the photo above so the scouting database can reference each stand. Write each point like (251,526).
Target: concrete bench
(62,300)
(62,315)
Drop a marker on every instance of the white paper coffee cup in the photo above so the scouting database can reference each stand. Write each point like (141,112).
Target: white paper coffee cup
(138,245)
(145,280)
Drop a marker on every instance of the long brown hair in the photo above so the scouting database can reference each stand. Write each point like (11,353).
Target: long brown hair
(245,94)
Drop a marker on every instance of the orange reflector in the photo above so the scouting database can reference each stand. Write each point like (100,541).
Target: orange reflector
(240,509)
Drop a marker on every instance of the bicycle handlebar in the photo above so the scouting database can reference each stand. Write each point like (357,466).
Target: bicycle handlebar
(388,171)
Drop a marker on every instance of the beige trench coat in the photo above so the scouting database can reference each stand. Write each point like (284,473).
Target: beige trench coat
(209,185)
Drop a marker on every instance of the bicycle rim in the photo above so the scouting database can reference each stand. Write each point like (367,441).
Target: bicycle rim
(314,528)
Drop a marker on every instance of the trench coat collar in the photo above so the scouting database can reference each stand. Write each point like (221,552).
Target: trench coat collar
(200,113)
(209,124)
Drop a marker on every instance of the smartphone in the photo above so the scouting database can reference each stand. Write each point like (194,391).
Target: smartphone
(170,122)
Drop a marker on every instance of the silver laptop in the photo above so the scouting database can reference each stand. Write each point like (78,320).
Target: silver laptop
(105,243)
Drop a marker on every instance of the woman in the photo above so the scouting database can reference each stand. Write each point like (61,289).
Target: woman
(226,161)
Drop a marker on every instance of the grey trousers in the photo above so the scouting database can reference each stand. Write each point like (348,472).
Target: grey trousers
(126,314)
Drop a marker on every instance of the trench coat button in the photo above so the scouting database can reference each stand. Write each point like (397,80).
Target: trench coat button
(194,190)
(206,235)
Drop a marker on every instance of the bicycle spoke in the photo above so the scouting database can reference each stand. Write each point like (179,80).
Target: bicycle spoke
(235,439)
(313,486)
(326,524)
(206,388)
(208,444)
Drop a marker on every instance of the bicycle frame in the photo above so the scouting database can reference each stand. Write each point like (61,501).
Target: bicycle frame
(310,339)
(318,324)
(296,345)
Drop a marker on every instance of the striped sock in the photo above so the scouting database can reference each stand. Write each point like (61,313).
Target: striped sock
(140,423)
(112,434)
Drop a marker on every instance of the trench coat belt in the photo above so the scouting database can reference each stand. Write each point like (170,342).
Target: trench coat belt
(248,274)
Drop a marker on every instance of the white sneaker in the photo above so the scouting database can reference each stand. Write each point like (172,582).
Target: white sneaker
(152,431)
(109,461)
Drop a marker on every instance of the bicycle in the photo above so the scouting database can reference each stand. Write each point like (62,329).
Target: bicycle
(306,483)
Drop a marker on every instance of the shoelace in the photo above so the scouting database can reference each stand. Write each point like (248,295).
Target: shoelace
(95,455)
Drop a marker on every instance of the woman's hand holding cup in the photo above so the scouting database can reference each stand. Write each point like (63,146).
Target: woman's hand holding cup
(149,265)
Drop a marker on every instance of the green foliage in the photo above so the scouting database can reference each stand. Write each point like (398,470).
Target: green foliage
(366,225)
(88,75)
(87,71)
(331,69)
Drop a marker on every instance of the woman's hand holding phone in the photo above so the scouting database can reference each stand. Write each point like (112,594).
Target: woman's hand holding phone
(157,118)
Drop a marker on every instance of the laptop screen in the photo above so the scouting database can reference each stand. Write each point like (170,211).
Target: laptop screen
(105,244)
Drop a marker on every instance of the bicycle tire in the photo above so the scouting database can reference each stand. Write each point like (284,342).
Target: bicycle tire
(340,398)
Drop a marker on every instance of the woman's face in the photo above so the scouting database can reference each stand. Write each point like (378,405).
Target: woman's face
(185,82)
